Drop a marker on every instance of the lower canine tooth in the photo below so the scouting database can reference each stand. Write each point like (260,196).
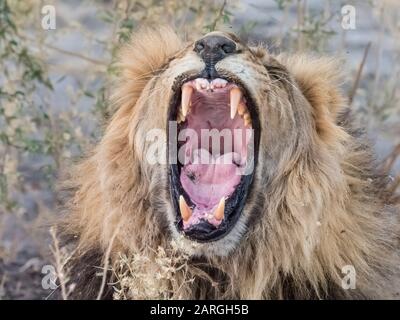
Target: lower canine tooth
(187,91)
(180,118)
(235,95)
(186,212)
(219,212)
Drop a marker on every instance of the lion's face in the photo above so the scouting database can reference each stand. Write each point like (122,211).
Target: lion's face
(220,102)
(247,158)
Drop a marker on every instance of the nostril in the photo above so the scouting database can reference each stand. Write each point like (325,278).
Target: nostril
(215,46)
(228,48)
(199,46)
(212,49)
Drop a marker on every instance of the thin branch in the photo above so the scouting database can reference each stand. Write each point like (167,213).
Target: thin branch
(59,263)
(301,11)
(396,183)
(61,260)
(106,263)
(69,53)
(77,55)
(219,15)
(358,76)
(388,163)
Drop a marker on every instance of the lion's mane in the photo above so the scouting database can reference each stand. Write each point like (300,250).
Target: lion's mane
(325,208)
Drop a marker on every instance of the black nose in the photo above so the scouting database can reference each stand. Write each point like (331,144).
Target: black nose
(213,49)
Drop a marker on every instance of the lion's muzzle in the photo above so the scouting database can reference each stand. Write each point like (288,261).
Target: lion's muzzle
(211,49)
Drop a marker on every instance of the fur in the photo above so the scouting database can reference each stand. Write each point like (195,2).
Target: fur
(317,203)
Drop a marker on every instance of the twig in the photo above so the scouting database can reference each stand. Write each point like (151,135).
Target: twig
(182,23)
(106,263)
(282,26)
(2,285)
(358,76)
(396,183)
(388,163)
(61,260)
(59,265)
(69,53)
(219,15)
(301,10)
(77,55)
(379,46)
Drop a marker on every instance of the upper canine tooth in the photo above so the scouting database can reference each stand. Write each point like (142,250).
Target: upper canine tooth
(186,212)
(236,95)
(187,91)
(219,212)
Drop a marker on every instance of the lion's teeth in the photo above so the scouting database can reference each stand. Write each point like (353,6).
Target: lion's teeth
(218,83)
(198,84)
(247,119)
(219,212)
(186,212)
(187,91)
(242,108)
(201,84)
(180,117)
(235,95)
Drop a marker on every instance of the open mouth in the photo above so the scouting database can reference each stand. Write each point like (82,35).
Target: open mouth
(216,148)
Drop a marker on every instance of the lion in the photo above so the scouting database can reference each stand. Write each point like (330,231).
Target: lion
(293,210)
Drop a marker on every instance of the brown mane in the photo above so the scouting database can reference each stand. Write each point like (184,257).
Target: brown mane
(324,209)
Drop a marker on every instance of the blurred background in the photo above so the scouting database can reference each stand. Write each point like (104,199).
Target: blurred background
(54,86)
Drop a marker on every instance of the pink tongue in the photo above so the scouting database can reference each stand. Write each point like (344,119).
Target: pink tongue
(206,180)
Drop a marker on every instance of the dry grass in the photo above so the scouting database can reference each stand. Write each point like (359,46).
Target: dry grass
(61,258)
(152,277)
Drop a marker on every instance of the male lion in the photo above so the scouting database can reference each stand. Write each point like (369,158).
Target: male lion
(308,218)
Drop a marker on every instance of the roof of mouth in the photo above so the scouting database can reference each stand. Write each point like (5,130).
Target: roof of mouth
(211,111)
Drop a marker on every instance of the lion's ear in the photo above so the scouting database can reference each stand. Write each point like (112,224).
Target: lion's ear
(319,79)
(148,50)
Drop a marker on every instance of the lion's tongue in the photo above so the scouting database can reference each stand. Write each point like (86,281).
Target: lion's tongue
(206,184)
(211,179)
